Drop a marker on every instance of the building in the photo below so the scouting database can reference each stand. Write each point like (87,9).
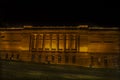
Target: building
(96,47)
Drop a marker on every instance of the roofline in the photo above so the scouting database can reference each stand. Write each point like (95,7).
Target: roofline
(29,27)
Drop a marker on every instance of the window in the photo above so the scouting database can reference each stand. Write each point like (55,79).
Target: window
(59,59)
(33,56)
(92,59)
(6,56)
(18,56)
(53,58)
(105,61)
(73,59)
(66,59)
(39,57)
(46,58)
(12,55)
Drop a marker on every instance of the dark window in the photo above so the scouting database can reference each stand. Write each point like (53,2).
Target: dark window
(59,59)
(12,55)
(66,59)
(105,61)
(6,56)
(39,57)
(53,58)
(18,56)
(91,58)
(33,56)
(46,58)
(73,59)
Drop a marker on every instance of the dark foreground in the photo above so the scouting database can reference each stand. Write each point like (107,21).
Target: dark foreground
(11,70)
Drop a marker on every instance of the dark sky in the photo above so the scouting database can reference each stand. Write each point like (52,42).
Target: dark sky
(59,13)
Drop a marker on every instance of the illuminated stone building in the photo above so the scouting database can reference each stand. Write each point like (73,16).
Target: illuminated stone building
(81,45)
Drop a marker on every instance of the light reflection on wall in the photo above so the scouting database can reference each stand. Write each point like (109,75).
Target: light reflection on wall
(14,41)
(73,41)
(54,41)
(61,44)
(54,44)
(40,41)
(47,41)
(84,49)
(103,47)
(22,48)
(61,41)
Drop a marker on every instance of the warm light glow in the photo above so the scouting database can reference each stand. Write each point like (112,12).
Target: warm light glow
(54,44)
(83,49)
(47,44)
(61,44)
(22,48)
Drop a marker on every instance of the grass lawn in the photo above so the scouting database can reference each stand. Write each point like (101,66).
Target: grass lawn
(12,70)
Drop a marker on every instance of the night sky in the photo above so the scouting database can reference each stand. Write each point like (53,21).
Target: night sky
(59,13)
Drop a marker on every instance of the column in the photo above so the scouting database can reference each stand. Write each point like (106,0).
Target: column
(37,40)
(34,43)
(30,43)
(43,42)
(70,42)
(64,41)
(50,41)
(57,42)
(78,42)
(73,42)
(61,41)
(40,42)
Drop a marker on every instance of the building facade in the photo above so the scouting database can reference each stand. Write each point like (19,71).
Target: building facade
(96,47)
